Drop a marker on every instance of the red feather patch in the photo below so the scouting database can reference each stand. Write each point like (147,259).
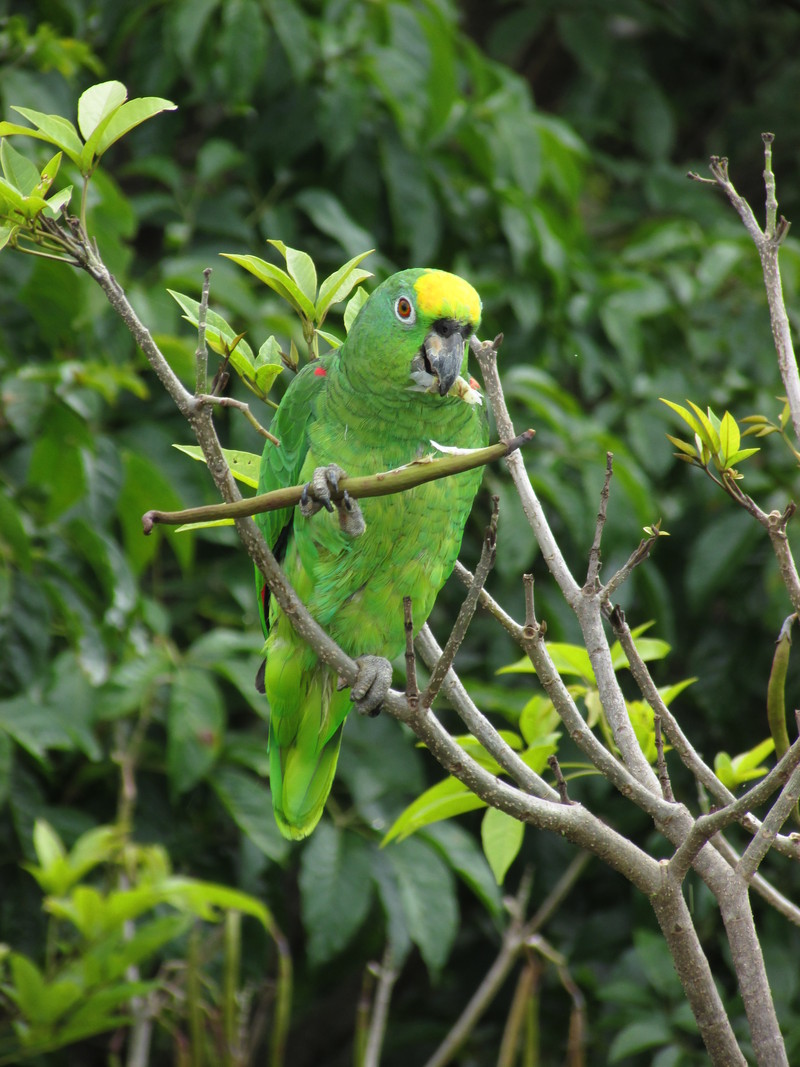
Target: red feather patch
(320,372)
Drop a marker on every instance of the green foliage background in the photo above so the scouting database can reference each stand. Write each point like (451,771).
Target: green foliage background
(539,149)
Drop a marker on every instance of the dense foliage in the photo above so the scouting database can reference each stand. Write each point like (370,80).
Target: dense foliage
(540,150)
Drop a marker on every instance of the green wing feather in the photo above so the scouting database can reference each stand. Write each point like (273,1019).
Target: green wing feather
(281,465)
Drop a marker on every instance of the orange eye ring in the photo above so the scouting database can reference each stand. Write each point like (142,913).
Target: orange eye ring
(404,309)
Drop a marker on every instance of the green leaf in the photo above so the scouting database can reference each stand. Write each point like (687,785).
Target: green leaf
(340,284)
(335,889)
(729,438)
(248,801)
(354,305)
(244,465)
(638,1036)
(460,851)
(744,767)
(50,852)
(195,723)
(98,103)
(442,801)
(18,169)
(501,836)
(54,128)
(302,270)
(708,432)
(128,116)
(427,895)
(742,454)
(278,280)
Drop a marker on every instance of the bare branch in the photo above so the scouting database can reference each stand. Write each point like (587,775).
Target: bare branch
(768,244)
(479,726)
(201,354)
(412,689)
(238,405)
(593,573)
(661,763)
(464,618)
(410,475)
(386,973)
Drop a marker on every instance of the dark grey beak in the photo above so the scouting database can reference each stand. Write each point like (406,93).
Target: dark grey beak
(444,351)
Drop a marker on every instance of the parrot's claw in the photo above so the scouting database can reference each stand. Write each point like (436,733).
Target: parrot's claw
(372,684)
(317,495)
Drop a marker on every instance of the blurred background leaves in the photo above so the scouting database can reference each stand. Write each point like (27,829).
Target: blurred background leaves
(539,149)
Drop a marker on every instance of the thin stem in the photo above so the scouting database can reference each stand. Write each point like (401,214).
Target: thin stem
(467,610)
(593,573)
(412,687)
(387,976)
(201,353)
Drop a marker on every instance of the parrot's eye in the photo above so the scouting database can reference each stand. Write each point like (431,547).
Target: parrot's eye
(403,309)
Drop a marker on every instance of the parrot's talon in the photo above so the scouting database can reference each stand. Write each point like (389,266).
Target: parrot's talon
(374,680)
(317,495)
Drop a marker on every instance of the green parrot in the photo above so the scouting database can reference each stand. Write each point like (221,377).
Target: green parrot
(395,385)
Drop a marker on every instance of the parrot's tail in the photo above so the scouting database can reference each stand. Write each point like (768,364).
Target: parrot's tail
(301,771)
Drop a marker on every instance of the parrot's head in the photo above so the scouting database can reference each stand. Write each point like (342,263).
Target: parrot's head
(414,328)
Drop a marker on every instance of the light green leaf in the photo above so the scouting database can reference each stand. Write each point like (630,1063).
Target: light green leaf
(354,305)
(501,836)
(47,845)
(131,114)
(340,284)
(745,453)
(729,437)
(302,270)
(59,131)
(278,280)
(18,169)
(442,801)
(707,432)
(97,104)
(244,465)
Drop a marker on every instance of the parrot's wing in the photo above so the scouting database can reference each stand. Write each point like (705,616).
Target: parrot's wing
(281,464)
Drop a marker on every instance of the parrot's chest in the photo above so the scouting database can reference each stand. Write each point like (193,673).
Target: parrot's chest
(409,547)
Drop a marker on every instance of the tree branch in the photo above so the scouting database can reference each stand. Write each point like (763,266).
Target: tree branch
(412,474)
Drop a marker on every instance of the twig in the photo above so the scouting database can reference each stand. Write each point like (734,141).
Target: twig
(412,689)
(201,354)
(639,555)
(661,763)
(486,354)
(768,243)
(561,782)
(479,726)
(238,405)
(706,826)
(386,973)
(383,484)
(517,933)
(467,610)
(777,816)
(593,573)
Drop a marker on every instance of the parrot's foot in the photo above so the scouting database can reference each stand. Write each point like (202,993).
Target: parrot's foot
(372,684)
(317,495)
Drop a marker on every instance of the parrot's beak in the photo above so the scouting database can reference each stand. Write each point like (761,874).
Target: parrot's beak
(443,351)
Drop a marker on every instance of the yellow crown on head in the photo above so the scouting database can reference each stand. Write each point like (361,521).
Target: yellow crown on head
(446,296)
